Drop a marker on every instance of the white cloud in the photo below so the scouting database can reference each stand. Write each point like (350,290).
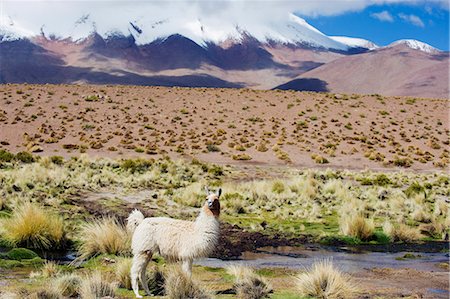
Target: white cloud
(383,16)
(61,16)
(412,19)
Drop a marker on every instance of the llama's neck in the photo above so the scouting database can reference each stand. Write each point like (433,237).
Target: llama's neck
(206,235)
(206,222)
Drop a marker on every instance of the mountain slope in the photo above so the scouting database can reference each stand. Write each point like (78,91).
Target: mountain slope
(394,70)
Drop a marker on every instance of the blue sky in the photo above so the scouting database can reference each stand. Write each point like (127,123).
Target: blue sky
(426,21)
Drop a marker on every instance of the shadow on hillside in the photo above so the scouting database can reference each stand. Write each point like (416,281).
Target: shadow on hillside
(305,84)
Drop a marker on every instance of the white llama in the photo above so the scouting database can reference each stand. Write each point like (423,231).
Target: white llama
(173,239)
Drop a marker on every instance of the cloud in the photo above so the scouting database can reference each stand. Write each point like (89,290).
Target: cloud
(61,16)
(412,19)
(383,16)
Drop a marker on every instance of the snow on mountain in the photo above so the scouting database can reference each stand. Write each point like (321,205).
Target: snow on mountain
(355,42)
(414,44)
(292,30)
(202,30)
(10,30)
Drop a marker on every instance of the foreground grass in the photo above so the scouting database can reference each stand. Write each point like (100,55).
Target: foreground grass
(327,205)
(401,205)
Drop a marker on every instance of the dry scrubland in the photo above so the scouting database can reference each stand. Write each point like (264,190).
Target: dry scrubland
(80,203)
(226,125)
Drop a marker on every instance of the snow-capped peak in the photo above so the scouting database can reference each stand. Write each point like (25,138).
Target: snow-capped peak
(415,44)
(11,30)
(355,42)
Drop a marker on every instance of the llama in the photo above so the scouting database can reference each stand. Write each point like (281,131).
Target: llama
(173,239)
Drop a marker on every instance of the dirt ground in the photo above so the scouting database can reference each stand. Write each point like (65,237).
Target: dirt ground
(239,126)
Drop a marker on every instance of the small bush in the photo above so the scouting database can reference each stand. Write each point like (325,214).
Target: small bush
(91,98)
(248,284)
(50,269)
(357,226)
(19,254)
(413,189)
(122,272)
(319,159)
(58,160)
(138,165)
(25,157)
(32,226)
(95,286)
(68,285)
(401,232)
(212,148)
(104,235)
(278,187)
(242,157)
(179,286)
(6,156)
(324,281)
(46,293)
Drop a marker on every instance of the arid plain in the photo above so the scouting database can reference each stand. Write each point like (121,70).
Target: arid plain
(227,125)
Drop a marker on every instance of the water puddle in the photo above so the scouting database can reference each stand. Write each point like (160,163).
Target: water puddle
(300,258)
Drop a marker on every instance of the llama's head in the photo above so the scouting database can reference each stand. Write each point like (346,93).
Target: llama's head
(212,204)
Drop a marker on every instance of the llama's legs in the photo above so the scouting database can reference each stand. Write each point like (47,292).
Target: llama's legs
(139,261)
(187,267)
(142,276)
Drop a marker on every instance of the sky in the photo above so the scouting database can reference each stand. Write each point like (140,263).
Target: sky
(427,21)
(381,21)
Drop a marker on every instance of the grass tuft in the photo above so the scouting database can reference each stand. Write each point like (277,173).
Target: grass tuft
(357,226)
(96,286)
(103,236)
(324,281)
(248,284)
(179,286)
(32,226)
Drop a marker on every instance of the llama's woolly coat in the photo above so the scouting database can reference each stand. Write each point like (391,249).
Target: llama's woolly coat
(175,240)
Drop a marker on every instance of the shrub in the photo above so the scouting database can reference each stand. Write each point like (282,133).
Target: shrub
(104,235)
(357,226)
(413,189)
(25,157)
(401,232)
(58,160)
(46,293)
(6,156)
(67,285)
(212,148)
(138,165)
(324,281)
(50,269)
(242,157)
(19,254)
(122,272)
(95,286)
(278,187)
(179,286)
(319,159)
(32,226)
(248,284)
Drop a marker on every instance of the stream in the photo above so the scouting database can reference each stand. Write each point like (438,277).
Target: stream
(301,258)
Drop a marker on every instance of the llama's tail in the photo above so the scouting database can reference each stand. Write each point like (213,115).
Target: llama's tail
(135,218)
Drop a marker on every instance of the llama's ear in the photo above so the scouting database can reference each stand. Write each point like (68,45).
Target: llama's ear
(207,190)
(219,192)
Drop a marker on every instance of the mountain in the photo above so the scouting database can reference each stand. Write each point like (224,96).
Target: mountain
(402,69)
(415,44)
(354,42)
(288,53)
